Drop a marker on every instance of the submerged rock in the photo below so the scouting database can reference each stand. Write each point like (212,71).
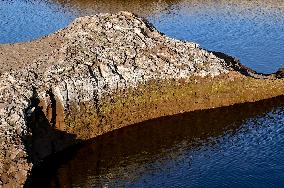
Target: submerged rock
(104,72)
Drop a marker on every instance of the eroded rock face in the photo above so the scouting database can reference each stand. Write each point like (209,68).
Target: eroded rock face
(109,71)
(107,52)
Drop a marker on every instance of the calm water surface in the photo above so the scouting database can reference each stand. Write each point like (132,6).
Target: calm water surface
(230,147)
(239,146)
(23,20)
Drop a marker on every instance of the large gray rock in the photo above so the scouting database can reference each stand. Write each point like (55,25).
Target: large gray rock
(97,57)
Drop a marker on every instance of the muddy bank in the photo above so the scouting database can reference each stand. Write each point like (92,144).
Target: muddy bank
(104,72)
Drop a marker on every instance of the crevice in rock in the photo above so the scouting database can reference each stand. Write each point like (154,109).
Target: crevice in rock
(92,74)
(53,107)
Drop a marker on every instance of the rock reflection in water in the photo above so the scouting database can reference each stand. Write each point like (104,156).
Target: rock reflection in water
(140,7)
(151,7)
(176,150)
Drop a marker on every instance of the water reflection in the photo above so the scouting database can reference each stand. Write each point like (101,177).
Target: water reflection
(194,149)
(150,7)
(140,7)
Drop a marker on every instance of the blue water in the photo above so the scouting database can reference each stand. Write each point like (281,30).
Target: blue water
(22,20)
(238,146)
(251,157)
(254,35)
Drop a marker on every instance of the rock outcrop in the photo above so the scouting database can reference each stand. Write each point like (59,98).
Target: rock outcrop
(104,72)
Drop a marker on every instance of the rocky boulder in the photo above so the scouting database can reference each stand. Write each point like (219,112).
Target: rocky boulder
(105,72)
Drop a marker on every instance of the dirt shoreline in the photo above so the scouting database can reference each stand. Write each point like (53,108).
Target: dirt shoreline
(104,72)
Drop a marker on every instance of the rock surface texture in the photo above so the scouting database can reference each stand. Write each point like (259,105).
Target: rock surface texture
(101,73)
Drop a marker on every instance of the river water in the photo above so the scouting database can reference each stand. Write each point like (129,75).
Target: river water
(239,146)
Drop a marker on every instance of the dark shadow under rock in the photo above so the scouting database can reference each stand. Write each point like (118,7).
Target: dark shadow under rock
(109,152)
(43,139)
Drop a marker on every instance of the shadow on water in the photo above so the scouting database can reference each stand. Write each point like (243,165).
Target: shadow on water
(133,148)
